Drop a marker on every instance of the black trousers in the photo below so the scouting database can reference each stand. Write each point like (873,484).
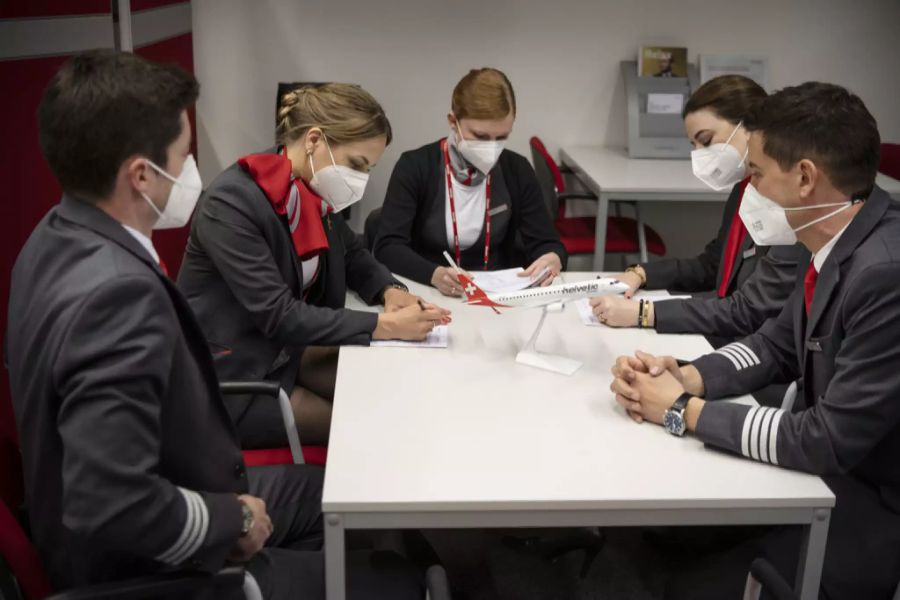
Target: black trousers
(862,555)
(292,565)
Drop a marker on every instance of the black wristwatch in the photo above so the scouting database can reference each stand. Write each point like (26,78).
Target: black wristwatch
(673,420)
(248,518)
(393,286)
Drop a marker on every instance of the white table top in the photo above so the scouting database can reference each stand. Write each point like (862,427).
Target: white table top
(612,171)
(468,429)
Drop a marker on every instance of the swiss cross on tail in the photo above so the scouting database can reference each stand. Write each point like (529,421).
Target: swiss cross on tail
(474,294)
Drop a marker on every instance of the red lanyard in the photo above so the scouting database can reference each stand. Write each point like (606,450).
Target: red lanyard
(487,211)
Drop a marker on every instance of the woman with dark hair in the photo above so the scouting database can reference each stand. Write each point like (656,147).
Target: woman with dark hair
(737,285)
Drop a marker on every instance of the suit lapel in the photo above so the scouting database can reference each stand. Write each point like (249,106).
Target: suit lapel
(739,259)
(827,283)
(858,230)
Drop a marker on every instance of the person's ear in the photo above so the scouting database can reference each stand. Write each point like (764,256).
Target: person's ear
(808,177)
(451,120)
(313,137)
(137,173)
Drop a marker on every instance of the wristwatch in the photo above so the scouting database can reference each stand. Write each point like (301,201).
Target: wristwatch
(673,420)
(248,518)
(393,286)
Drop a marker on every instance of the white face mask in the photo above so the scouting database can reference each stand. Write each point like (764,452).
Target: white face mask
(767,222)
(183,196)
(482,154)
(719,166)
(339,186)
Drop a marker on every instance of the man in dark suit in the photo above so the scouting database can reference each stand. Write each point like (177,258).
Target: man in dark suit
(813,160)
(132,465)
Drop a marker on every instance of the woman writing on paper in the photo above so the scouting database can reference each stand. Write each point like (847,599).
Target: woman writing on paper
(737,285)
(270,258)
(467,195)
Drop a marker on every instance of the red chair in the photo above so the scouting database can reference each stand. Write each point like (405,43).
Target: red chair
(22,576)
(294,453)
(577,233)
(890,160)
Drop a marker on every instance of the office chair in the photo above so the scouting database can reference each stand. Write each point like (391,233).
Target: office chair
(370,228)
(22,576)
(764,578)
(578,233)
(294,452)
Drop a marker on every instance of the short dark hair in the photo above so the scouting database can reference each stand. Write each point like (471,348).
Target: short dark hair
(103,106)
(826,124)
(730,97)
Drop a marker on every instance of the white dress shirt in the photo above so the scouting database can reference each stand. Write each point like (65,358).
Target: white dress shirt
(144,241)
(470,205)
(820,256)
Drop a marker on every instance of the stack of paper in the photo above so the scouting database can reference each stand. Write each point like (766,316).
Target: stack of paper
(438,338)
(505,281)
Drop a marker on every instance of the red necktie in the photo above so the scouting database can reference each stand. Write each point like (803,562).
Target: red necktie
(809,284)
(163,267)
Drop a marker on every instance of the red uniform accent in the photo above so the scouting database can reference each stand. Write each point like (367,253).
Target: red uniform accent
(809,284)
(487,210)
(736,236)
(272,173)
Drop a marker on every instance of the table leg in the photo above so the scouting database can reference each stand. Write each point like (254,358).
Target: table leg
(600,233)
(335,558)
(812,555)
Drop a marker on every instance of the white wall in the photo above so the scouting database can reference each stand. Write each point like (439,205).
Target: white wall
(562,57)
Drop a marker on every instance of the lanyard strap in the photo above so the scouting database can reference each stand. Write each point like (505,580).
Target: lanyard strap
(487,211)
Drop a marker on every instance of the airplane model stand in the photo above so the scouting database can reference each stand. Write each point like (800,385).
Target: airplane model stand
(549,362)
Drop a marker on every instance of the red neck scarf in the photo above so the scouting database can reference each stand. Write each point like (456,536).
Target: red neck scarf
(290,198)
(736,236)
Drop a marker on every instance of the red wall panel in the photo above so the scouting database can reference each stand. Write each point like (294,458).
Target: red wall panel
(23,9)
(29,187)
(29,191)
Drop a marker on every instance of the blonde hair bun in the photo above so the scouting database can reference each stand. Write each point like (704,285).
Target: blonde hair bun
(344,112)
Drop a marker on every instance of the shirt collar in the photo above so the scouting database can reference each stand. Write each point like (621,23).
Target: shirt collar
(820,256)
(143,240)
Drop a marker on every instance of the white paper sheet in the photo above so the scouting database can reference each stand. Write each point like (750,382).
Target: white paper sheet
(506,280)
(665,104)
(438,338)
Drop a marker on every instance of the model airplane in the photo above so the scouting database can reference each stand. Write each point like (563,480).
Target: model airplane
(540,296)
(550,299)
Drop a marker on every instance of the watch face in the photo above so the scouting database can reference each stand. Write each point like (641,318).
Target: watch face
(674,423)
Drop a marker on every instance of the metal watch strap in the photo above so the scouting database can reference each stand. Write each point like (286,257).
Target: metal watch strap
(394,285)
(247,515)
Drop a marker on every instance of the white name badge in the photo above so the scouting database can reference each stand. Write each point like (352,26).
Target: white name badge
(498,209)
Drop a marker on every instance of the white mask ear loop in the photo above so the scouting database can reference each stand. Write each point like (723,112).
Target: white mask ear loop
(828,216)
(334,163)
(158,172)
(459,131)
(746,150)
(736,127)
